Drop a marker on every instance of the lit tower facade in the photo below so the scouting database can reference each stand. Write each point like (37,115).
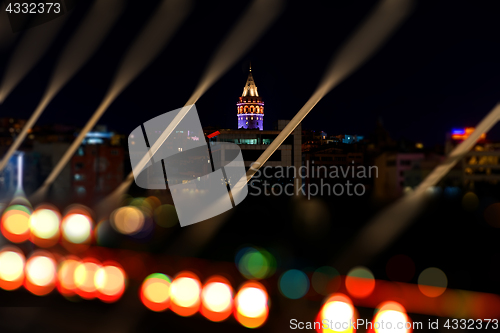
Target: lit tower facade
(250,106)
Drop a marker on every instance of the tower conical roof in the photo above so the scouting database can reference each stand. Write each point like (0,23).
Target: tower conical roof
(250,87)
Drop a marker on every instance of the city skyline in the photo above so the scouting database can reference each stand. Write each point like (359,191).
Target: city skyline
(288,62)
(146,184)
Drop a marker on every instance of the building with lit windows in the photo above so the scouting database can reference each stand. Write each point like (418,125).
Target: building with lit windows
(94,171)
(97,166)
(250,106)
(481,164)
(253,140)
(251,136)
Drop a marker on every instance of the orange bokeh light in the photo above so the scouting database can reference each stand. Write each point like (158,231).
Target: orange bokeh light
(359,287)
(217,299)
(360,282)
(77,228)
(393,314)
(41,273)
(66,276)
(45,226)
(14,224)
(340,313)
(431,291)
(110,282)
(251,305)
(155,292)
(84,278)
(12,262)
(185,293)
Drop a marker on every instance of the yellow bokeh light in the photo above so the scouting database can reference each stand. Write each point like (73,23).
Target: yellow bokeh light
(397,321)
(217,296)
(128,220)
(185,291)
(44,223)
(109,280)
(157,292)
(11,265)
(252,302)
(66,273)
(41,270)
(338,313)
(17,223)
(77,228)
(84,276)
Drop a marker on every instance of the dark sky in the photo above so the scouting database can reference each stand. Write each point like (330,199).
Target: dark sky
(441,70)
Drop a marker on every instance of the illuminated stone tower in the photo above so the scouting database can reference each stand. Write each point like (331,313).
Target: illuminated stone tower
(250,106)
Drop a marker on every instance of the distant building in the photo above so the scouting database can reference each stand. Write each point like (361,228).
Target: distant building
(48,154)
(452,181)
(346,138)
(250,106)
(254,142)
(313,139)
(481,164)
(97,166)
(11,178)
(336,163)
(94,171)
(9,129)
(392,166)
(404,171)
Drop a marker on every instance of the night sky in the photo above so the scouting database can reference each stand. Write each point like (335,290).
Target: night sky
(441,70)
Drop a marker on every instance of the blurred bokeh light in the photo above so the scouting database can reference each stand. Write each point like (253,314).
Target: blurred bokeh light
(251,305)
(216,299)
(185,293)
(432,282)
(294,284)
(391,317)
(360,282)
(41,273)
(66,276)
(155,292)
(11,268)
(339,312)
(255,263)
(77,228)
(44,226)
(15,223)
(84,278)
(326,280)
(128,220)
(110,282)
(470,201)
